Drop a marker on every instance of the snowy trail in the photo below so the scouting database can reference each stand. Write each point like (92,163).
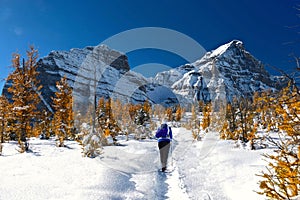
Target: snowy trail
(139,160)
(192,159)
(188,160)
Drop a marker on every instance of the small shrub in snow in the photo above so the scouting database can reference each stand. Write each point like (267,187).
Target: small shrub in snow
(92,145)
(91,141)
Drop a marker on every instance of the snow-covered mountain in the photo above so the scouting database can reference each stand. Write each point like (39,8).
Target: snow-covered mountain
(97,67)
(99,71)
(223,73)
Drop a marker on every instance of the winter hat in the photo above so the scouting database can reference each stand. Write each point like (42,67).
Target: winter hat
(164,125)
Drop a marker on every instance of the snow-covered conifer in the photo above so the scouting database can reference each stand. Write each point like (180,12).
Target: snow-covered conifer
(91,141)
(106,119)
(141,117)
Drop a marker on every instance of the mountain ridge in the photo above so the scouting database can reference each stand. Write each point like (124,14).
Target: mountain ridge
(223,73)
(99,71)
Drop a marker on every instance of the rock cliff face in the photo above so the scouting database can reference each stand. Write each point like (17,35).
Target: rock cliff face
(96,72)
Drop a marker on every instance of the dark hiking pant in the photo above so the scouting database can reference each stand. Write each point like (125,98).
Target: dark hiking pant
(164,147)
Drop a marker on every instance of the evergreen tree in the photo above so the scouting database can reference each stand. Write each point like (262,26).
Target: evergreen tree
(91,142)
(143,121)
(25,95)
(107,123)
(141,117)
(63,122)
(140,113)
(143,114)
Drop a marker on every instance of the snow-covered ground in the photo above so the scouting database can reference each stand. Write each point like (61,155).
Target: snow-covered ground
(206,169)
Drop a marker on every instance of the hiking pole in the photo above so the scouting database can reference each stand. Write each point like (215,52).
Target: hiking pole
(172,154)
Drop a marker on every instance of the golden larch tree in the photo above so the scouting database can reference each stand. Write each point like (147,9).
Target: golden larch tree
(63,119)
(5,108)
(229,129)
(282,178)
(194,123)
(169,114)
(178,113)
(25,96)
(206,116)
(4,120)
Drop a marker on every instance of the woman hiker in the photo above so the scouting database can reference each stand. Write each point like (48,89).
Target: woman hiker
(164,135)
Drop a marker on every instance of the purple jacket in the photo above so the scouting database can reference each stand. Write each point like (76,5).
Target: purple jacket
(164,133)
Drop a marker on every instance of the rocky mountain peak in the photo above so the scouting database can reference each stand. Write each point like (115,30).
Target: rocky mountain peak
(231,48)
(223,73)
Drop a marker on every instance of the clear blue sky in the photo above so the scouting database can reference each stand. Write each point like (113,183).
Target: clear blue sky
(269,28)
